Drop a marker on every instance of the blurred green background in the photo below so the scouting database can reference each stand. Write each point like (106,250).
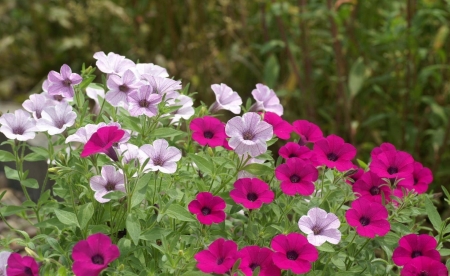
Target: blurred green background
(369,71)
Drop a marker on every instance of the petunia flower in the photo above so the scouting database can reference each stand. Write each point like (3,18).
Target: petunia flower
(392,164)
(291,150)
(36,104)
(55,119)
(186,111)
(112,63)
(253,257)
(281,128)
(320,227)
(424,266)
(18,125)
(382,148)
(20,266)
(248,134)
(226,99)
(83,134)
(62,84)
(294,252)
(151,69)
(266,100)
(412,246)
(208,131)
(308,132)
(162,157)
(333,152)
(95,92)
(120,88)
(4,255)
(208,208)
(297,177)
(368,217)
(166,88)
(371,187)
(110,180)
(130,152)
(143,101)
(93,255)
(102,142)
(422,177)
(251,192)
(218,258)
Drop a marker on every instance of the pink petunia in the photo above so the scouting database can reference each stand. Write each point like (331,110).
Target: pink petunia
(281,128)
(424,266)
(392,164)
(308,132)
(226,99)
(251,192)
(208,208)
(18,125)
(110,180)
(218,258)
(382,148)
(266,100)
(294,252)
(333,152)
(63,83)
(102,142)
(422,177)
(208,131)
(93,255)
(291,150)
(371,187)
(320,227)
(412,246)
(368,217)
(20,266)
(297,177)
(253,257)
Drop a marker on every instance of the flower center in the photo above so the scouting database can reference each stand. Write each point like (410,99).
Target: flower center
(364,221)
(97,259)
(292,255)
(67,82)
(144,103)
(317,230)
(158,161)
(416,253)
(392,170)
(292,155)
(248,135)
(123,88)
(332,156)
(19,130)
(252,196)
(302,141)
(110,186)
(27,271)
(59,123)
(206,211)
(220,261)
(208,134)
(416,181)
(374,190)
(253,266)
(294,178)
(423,273)
(58,98)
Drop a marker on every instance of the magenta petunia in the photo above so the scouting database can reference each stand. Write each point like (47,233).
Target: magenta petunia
(102,142)
(424,266)
(294,252)
(266,100)
(21,266)
(371,187)
(226,99)
(356,174)
(291,150)
(281,128)
(63,83)
(209,209)
(308,132)
(412,246)
(93,255)
(368,217)
(253,257)
(218,258)
(392,164)
(251,192)
(333,152)
(382,148)
(297,177)
(208,131)
(422,177)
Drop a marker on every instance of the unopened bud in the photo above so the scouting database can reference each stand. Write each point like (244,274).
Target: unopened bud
(210,152)
(53,170)
(350,172)
(31,253)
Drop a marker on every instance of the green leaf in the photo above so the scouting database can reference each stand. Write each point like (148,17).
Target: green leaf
(258,169)
(40,150)
(11,210)
(166,132)
(202,163)
(133,228)
(194,273)
(271,71)
(433,215)
(11,173)
(6,156)
(356,77)
(140,190)
(114,195)
(85,213)
(178,212)
(30,183)
(362,164)
(68,218)
(326,247)
(155,234)
(32,157)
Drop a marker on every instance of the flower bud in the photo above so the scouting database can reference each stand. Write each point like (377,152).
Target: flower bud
(31,253)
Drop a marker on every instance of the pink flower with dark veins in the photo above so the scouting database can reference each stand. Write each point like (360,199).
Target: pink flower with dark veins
(63,83)
(266,100)
(226,99)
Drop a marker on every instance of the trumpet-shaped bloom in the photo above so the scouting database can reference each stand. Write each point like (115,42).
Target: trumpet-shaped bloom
(226,99)
(422,177)
(112,63)
(162,157)
(248,134)
(382,148)
(143,101)
(218,258)
(55,119)
(266,100)
(166,88)
(424,266)
(93,255)
(293,252)
(251,192)
(102,142)
(120,88)
(297,177)
(208,208)
(185,111)
(291,150)
(110,180)
(4,255)
(62,84)
(372,187)
(320,227)
(208,131)
(368,217)
(392,164)
(151,69)
(18,125)
(20,266)
(130,152)
(281,128)
(36,104)
(253,257)
(95,92)
(412,246)
(333,152)
(308,132)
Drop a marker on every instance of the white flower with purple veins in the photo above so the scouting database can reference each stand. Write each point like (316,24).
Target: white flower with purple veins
(110,180)
(165,87)
(248,134)
(36,104)
(94,91)
(266,100)
(162,157)
(62,84)
(112,63)
(226,98)
(55,119)
(151,69)
(83,134)
(320,227)
(18,125)
(129,152)
(185,111)
(143,101)
(4,256)
(120,87)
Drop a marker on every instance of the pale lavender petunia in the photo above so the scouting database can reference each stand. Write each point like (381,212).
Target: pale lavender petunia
(36,104)
(150,69)
(226,99)
(185,111)
(110,180)
(143,101)
(120,87)
(4,255)
(55,119)
(248,134)
(129,152)
(320,227)
(95,92)
(162,157)
(83,134)
(62,83)
(18,125)
(166,88)
(112,63)
(266,100)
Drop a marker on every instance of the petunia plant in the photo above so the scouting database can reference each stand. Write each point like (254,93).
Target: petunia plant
(142,182)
